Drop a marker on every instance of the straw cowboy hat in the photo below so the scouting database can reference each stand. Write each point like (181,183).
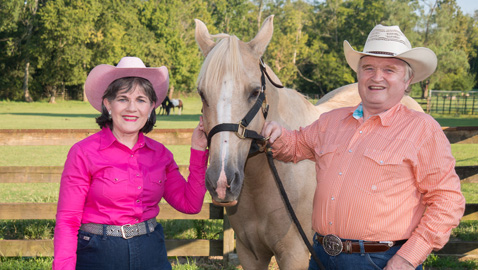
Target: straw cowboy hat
(389,41)
(103,75)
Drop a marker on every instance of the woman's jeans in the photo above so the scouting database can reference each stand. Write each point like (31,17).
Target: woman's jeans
(354,261)
(143,252)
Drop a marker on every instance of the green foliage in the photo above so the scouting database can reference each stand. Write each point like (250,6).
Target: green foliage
(438,263)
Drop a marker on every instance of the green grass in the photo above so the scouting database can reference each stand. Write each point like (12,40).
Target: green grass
(435,262)
(80,115)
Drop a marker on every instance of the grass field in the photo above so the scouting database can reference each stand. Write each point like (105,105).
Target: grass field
(80,115)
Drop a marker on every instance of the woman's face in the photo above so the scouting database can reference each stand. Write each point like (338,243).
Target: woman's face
(129,111)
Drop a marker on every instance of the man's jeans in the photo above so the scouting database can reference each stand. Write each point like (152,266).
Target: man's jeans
(144,252)
(354,261)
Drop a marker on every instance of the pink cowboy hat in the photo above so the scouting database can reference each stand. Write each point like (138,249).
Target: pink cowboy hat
(103,75)
(389,41)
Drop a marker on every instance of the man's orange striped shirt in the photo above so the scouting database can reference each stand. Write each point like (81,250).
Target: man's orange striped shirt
(389,178)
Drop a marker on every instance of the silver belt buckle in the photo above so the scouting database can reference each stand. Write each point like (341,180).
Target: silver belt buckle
(332,245)
(123,232)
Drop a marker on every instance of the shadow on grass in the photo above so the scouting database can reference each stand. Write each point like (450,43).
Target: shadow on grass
(174,118)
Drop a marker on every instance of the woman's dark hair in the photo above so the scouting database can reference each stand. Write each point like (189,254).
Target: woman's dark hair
(127,84)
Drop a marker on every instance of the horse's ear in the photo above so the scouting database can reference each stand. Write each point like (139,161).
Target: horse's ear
(262,39)
(203,38)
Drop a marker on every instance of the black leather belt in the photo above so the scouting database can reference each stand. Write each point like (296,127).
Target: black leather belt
(333,245)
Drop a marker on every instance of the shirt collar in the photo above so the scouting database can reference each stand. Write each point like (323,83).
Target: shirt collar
(386,117)
(108,138)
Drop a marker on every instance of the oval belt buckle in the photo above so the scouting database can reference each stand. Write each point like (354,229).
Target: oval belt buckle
(332,245)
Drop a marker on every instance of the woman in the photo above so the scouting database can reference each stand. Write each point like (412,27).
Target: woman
(113,180)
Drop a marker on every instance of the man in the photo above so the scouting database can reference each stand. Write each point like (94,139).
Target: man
(387,193)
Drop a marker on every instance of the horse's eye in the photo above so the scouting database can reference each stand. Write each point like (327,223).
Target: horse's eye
(255,93)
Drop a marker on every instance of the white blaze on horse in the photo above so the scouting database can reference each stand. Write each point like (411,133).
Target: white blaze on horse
(229,84)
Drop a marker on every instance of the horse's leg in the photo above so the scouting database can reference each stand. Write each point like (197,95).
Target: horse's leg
(251,261)
(179,110)
(293,254)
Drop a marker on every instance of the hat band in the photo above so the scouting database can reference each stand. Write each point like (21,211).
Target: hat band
(380,52)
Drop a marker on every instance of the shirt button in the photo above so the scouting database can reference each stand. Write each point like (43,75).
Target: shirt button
(116,179)
(136,219)
(160,181)
(132,155)
(381,161)
(360,132)
(330,222)
(139,187)
(137,201)
(374,187)
(350,150)
(332,198)
(340,173)
(137,174)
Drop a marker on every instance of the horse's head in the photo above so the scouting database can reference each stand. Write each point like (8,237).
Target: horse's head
(229,85)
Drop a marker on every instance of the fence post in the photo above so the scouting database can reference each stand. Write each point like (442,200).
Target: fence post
(228,239)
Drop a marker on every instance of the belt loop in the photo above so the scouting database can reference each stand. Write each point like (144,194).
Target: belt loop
(148,232)
(104,232)
(362,249)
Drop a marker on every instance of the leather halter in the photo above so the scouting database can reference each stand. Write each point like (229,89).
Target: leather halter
(240,128)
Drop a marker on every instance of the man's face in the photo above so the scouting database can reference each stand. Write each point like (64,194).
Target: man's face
(381,83)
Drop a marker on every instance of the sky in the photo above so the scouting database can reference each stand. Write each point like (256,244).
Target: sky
(468,6)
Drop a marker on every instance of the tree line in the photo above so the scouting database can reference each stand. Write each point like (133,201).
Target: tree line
(47,47)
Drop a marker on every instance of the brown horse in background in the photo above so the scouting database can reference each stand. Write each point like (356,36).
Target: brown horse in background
(229,84)
(169,104)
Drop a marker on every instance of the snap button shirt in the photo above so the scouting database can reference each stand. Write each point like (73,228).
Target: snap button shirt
(383,173)
(106,182)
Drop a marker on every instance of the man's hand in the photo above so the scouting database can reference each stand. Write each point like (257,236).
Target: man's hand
(199,138)
(398,263)
(273,130)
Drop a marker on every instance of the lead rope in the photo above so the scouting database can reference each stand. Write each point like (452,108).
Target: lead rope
(283,193)
(270,160)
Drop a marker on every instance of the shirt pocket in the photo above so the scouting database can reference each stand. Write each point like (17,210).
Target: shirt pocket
(157,181)
(116,184)
(379,171)
(324,155)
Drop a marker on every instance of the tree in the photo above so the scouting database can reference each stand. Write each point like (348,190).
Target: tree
(16,24)
(444,32)
(67,27)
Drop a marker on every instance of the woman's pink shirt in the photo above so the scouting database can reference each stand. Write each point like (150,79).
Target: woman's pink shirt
(106,182)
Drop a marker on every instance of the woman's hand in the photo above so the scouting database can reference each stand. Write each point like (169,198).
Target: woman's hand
(199,138)
(273,130)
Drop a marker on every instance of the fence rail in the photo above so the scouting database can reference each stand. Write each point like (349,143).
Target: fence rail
(452,102)
(175,247)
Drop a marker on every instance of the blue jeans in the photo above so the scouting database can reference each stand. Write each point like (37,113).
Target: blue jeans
(103,252)
(356,261)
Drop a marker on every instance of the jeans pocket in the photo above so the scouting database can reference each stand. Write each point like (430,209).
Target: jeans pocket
(377,260)
(86,241)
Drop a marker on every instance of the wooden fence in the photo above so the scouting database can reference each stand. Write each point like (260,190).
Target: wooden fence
(175,247)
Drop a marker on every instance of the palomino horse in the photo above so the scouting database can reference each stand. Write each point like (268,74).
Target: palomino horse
(229,84)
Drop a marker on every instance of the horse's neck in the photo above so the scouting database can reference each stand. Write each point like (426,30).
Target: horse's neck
(290,108)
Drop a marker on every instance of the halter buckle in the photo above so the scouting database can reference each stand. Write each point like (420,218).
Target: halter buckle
(241,130)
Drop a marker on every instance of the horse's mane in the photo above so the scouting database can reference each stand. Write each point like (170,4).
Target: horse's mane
(225,57)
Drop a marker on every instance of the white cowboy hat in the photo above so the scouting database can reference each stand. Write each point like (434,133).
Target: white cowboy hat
(389,41)
(103,75)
